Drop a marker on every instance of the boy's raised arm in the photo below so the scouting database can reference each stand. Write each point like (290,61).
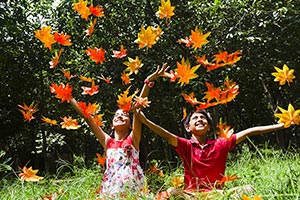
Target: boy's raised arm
(240,136)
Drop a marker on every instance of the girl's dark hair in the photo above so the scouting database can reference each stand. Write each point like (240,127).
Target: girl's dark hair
(204,112)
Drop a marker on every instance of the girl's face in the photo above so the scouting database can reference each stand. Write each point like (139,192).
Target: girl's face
(198,124)
(121,118)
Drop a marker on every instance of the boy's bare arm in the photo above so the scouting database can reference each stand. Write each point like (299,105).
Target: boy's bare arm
(240,136)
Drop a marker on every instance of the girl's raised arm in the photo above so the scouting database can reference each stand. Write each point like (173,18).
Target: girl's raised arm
(97,130)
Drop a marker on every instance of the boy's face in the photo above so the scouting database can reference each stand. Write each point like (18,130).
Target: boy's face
(198,124)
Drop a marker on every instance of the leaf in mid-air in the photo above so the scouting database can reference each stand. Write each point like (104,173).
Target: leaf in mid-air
(97,11)
(63,92)
(96,54)
(198,39)
(82,9)
(126,80)
(28,111)
(120,54)
(67,74)
(85,79)
(146,38)
(284,75)
(62,38)
(69,123)
(45,36)
(289,116)
(48,120)
(141,102)
(212,92)
(185,73)
(55,60)
(224,130)
(133,65)
(165,10)
(98,119)
(90,90)
(124,100)
(190,98)
(88,109)
(101,159)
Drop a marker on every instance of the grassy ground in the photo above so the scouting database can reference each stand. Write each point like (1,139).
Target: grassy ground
(273,174)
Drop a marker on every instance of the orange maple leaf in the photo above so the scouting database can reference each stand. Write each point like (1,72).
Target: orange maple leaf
(185,73)
(120,54)
(284,75)
(101,159)
(198,39)
(133,65)
(62,38)
(96,54)
(126,80)
(63,92)
(230,91)
(98,119)
(49,121)
(140,101)
(289,116)
(146,38)
(88,109)
(124,100)
(90,90)
(105,79)
(69,123)
(82,9)
(212,92)
(28,111)
(55,60)
(190,98)
(28,174)
(224,130)
(89,31)
(45,36)
(202,60)
(96,11)
(85,79)
(67,74)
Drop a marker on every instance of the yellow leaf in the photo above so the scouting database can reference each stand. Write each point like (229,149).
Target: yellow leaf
(146,38)
(283,75)
(289,116)
(198,39)
(185,72)
(165,10)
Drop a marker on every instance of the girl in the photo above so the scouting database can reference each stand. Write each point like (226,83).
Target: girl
(204,160)
(123,171)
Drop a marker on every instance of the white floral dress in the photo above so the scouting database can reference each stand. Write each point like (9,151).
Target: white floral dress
(123,171)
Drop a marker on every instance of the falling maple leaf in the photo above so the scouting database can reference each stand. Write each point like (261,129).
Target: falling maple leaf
(185,73)
(120,54)
(146,38)
(202,60)
(55,60)
(289,116)
(198,39)
(140,101)
(67,74)
(165,10)
(187,41)
(126,80)
(97,11)
(124,100)
(284,75)
(28,111)
(69,123)
(98,119)
(105,79)
(45,36)
(224,130)
(133,65)
(184,113)
(85,79)
(101,159)
(62,38)
(96,54)
(89,31)
(63,92)
(212,92)
(190,98)
(88,109)
(229,92)
(82,9)
(90,90)
(49,121)
(29,175)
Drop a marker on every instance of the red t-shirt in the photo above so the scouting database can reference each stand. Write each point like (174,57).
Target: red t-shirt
(204,166)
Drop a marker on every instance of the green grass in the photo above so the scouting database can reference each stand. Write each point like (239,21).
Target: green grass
(274,175)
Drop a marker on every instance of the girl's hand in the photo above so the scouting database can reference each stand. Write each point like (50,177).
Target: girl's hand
(159,72)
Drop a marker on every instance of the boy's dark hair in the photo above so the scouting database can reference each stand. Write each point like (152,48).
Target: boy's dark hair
(204,112)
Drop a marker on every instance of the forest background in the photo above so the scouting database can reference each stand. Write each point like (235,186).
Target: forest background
(266,32)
